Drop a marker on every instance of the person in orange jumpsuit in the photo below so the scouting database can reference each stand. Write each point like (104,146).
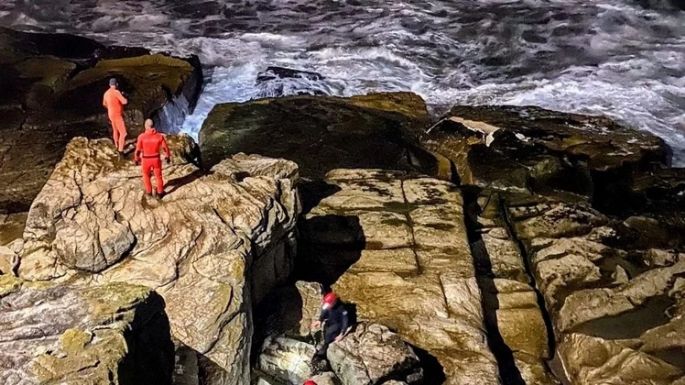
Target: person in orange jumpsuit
(148,147)
(114,102)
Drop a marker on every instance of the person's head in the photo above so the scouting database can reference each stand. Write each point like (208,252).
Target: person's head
(113,82)
(309,382)
(149,124)
(329,300)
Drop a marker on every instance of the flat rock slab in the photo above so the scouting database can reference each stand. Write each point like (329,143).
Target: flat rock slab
(410,268)
(216,243)
(113,334)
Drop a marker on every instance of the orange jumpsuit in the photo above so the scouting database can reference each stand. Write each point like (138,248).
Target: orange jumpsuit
(114,101)
(150,144)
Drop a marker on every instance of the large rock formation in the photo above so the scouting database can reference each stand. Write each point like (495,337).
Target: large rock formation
(617,308)
(112,334)
(51,91)
(598,216)
(216,243)
(396,246)
(318,133)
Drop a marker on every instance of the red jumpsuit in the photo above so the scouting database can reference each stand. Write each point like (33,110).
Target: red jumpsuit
(114,101)
(150,144)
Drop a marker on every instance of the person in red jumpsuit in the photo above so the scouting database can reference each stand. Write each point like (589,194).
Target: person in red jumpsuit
(309,382)
(149,147)
(114,101)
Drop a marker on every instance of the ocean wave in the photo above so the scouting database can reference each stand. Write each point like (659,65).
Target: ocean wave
(624,59)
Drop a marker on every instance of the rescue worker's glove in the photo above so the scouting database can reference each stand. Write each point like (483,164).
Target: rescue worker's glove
(136,161)
(168,160)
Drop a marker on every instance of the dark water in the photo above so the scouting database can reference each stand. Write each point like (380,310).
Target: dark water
(622,58)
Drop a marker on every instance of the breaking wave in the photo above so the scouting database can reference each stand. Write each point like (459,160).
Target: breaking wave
(621,58)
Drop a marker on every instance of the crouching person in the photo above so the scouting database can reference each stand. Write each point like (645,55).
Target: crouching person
(335,320)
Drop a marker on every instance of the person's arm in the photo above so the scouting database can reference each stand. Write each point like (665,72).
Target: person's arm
(104,101)
(345,323)
(121,98)
(165,148)
(323,316)
(139,150)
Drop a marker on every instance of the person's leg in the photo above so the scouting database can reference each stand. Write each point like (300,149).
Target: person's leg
(115,132)
(158,176)
(329,335)
(120,127)
(321,353)
(146,169)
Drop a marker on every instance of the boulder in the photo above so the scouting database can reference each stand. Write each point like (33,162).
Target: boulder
(280,81)
(111,334)
(371,355)
(51,91)
(216,244)
(395,245)
(274,72)
(318,133)
(556,152)
(286,359)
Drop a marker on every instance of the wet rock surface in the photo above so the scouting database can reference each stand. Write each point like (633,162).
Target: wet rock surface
(318,133)
(51,91)
(213,246)
(396,246)
(281,81)
(113,334)
(588,157)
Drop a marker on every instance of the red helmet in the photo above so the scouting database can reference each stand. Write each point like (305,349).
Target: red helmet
(309,382)
(330,299)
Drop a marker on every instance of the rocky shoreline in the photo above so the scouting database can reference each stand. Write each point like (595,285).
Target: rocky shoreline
(506,245)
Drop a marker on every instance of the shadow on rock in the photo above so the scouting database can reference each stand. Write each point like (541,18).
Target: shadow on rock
(506,362)
(148,350)
(330,245)
(177,183)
